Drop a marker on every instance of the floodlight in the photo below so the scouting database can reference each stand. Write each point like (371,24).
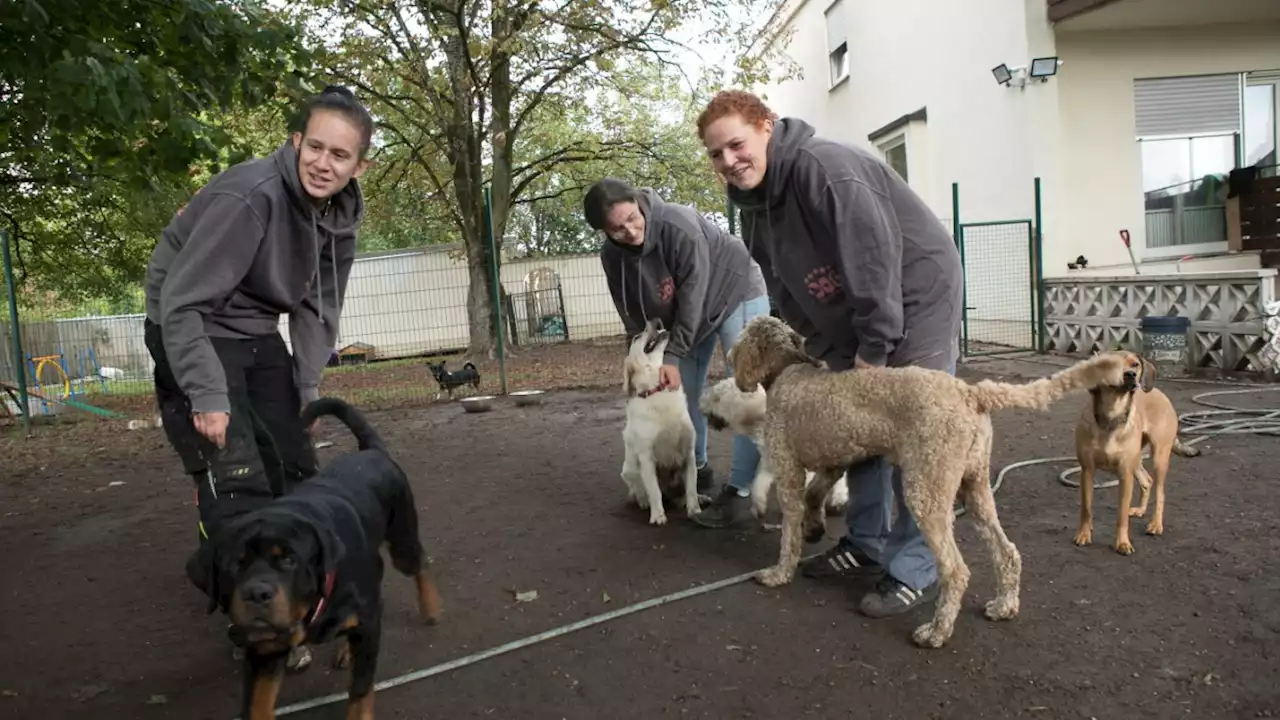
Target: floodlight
(1045,67)
(1002,74)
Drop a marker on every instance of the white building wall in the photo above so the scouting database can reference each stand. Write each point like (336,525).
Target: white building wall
(910,54)
(1075,132)
(1102,167)
(913,54)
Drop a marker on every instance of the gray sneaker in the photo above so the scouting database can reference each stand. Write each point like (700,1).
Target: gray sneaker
(894,598)
(726,509)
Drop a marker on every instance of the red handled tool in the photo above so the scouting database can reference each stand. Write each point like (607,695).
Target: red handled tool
(1124,236)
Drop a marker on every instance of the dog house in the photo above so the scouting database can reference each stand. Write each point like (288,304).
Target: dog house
(357,353)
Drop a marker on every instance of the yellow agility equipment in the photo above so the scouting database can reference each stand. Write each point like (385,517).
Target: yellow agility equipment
(56,361)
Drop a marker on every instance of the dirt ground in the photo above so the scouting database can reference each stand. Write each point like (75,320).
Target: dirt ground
(98,619)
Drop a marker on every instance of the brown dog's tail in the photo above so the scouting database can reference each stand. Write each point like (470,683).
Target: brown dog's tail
(989,395)
(1183,449)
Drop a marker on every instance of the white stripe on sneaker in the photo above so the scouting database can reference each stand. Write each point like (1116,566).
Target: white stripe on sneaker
(907,595)
(844,561)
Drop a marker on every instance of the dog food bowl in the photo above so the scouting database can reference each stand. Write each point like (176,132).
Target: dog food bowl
(525,398)
(477,403)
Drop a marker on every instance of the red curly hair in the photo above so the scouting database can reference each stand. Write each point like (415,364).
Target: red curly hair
(735,102)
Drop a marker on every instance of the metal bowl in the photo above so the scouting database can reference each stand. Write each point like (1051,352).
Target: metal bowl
(477,403)
(525,398)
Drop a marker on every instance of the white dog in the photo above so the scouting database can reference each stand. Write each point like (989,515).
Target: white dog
(724,405)
(658,436)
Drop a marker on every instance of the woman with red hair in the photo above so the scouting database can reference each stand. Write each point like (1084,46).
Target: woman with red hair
(859,265)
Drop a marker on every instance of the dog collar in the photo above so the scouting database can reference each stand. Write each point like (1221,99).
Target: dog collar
(324,598)
(652,391)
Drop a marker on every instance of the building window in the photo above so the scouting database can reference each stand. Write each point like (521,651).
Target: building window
(1190,137)
(1261,107)
(895,155)
(837,43)
(839,59)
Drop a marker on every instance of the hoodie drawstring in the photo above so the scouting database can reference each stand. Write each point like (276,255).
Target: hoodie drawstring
(315,245)
(333,252)
(626,308)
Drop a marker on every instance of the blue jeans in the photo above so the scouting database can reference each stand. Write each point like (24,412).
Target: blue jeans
(693,376)
(897,546)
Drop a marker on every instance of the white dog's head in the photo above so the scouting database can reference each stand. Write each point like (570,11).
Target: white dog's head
(640,369)
(725,406)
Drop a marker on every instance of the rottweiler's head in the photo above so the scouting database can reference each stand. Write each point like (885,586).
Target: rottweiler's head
(269,570)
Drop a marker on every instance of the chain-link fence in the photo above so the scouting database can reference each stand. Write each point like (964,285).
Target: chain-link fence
(405,312)
(999,313)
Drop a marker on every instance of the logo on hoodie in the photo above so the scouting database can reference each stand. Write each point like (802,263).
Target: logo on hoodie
(667,290)
(824,284)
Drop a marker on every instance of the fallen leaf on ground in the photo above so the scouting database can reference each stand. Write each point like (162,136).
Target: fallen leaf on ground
(528,596)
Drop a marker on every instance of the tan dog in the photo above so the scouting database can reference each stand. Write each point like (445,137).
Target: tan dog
(932,425)
(1114,427)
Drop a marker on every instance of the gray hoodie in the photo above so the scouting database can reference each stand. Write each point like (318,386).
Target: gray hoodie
(855,260)
(689,274)
(250,247)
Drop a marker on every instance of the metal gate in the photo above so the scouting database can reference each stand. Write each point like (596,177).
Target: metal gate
(539,316)
(1001,287)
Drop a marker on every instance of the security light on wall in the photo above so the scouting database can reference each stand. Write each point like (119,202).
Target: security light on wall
(1009,77)
(1045,68)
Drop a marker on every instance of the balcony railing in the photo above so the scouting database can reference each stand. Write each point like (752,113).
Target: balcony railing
(1190,213)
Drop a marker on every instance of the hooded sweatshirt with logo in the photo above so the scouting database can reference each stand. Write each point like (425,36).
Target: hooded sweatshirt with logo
(249,247)
(688,273)
(855,260)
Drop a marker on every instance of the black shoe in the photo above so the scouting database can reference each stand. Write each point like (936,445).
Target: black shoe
(706,479)
(727,508)
(842,560)
(893,598)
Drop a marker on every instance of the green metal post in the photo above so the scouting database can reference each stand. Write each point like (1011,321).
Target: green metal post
(497,285)
(958,233)
(1037,257)
(15,332)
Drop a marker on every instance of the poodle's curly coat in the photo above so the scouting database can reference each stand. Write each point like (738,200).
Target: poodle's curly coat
(932,425)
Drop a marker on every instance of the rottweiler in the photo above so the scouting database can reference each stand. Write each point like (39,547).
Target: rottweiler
(307,568)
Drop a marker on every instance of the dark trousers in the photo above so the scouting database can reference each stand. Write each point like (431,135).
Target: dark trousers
(267,452)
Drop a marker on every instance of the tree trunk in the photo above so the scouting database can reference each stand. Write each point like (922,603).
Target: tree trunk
(468,176)
(481,309)
(465,128)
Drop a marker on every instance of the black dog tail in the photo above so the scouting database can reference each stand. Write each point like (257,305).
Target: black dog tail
(366,436)
(469,365)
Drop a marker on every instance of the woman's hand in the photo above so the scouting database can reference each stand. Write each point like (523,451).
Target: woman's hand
(669,376)
(213,425)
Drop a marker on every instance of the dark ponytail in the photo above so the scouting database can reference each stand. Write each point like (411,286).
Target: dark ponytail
(338,98)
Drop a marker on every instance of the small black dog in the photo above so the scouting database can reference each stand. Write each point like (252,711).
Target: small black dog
(468,375)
